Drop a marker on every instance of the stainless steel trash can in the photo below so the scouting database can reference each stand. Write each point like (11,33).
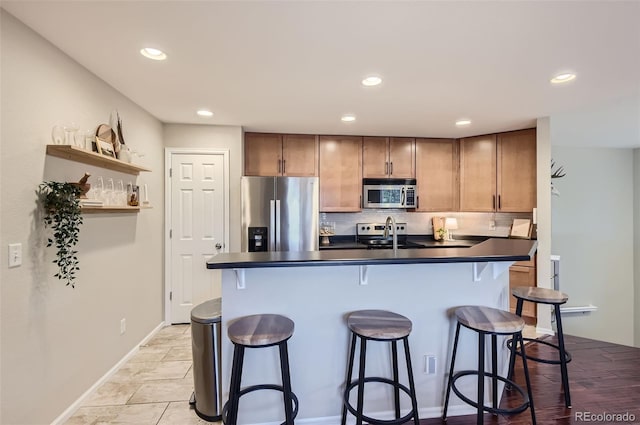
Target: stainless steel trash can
(205,348)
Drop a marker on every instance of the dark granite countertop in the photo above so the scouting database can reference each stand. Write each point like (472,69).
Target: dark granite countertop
(492,249)
(427,241)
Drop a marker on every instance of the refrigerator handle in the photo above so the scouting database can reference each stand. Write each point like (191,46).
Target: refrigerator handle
(272,225)
(278,224)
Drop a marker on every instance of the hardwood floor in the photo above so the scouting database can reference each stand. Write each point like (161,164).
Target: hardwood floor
(604,378)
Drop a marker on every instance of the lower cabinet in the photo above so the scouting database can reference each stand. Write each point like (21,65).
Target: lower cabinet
(523,273)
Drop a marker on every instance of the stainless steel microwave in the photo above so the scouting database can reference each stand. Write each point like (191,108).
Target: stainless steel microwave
(389,193)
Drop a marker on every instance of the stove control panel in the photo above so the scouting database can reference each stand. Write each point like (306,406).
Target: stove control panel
(377,229)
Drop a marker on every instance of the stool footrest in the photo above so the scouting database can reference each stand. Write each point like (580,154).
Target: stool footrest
(567,355)
(252,388)
(489,409)
(374,421)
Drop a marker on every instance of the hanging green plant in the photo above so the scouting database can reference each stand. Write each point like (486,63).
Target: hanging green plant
(62,213)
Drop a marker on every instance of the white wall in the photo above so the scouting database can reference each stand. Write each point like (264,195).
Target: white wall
(636,243)
(543,225)
(592,231)
(58,341)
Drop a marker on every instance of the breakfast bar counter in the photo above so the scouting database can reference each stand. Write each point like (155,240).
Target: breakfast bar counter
(318,289)
(493,249)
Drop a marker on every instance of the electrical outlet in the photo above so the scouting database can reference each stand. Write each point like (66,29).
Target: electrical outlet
(123,326)
(430,364)
(15,254)
(492,225)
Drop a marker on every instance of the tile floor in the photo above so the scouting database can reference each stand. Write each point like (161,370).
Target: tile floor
(153,387)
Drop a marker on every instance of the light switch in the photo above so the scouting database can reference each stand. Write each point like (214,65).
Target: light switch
(15,254)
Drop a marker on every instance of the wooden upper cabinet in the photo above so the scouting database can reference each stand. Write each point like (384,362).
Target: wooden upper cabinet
(498,172)
(384,157)
(267,154)
(340,173)
(299,155)
(437,174)
(478,173)
(402,152)
(262,154)
(517,171)
(375,157)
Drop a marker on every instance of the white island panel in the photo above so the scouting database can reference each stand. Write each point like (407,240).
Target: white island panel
(317,300)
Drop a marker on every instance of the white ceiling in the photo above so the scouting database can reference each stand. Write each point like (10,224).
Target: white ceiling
(296,66)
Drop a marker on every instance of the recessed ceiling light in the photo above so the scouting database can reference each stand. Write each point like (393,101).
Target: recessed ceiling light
(372,80)
(204,113)
(563,78)
(348,118)
(155,54)
(462,123)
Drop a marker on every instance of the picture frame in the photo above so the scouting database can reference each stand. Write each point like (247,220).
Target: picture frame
(105,148)
(521,228)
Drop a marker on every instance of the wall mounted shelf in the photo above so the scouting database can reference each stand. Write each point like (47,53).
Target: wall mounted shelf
(77,154)
(114,209)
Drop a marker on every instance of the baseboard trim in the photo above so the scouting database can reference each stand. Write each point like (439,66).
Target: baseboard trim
(544,331)
(423,413)
(69,411)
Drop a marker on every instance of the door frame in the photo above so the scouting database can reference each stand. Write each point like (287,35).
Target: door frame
(168,154)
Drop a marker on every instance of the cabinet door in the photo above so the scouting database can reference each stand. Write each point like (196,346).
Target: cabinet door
(340,173)
(517,171)
(375,157)
(299,155)
(402,158)
(262,154)
(522,276)
(437,174)
(478,173)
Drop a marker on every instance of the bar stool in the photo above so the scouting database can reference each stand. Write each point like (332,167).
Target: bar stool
(379,325)
(556,299)
(258,331)
(489,321)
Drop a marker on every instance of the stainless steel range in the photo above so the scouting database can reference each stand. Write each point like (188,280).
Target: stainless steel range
(372,235)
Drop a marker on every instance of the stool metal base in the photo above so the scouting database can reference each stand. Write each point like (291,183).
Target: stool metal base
(369,419)
(481,374)
(563,358)
(567,355)
(252,388)
(359,384)
(230,409)
(494,410)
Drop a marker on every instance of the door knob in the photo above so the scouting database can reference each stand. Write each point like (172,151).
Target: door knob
(218,246)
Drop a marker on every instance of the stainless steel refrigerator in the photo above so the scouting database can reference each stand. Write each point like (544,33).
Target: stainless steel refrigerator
(279,213)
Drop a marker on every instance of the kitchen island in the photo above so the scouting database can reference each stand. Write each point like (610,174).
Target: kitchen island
(317,289)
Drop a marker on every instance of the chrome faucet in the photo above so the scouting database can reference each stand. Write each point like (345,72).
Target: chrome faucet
(395,233)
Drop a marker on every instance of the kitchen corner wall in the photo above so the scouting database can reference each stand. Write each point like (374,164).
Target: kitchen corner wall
(592,231)
(58,341)
(636,243)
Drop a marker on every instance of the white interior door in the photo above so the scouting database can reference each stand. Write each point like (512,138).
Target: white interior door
(197,230)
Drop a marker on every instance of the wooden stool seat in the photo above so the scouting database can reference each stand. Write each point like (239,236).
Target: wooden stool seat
(490,320)
(539,295)
(260,330)
(379,324)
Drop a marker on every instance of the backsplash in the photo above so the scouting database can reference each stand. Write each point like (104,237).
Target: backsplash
(419,223)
